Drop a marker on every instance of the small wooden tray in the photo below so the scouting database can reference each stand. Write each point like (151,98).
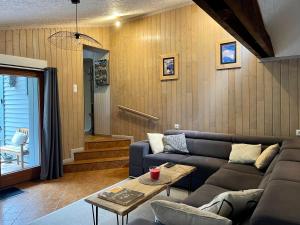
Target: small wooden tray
(163,179)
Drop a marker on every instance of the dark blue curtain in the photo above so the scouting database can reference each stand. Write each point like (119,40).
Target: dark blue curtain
(51,152)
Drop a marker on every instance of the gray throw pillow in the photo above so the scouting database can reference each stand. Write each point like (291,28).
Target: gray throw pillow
(175,143)
(234,204)
(171,213)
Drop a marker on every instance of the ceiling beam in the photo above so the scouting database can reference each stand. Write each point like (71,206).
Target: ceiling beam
(243,20)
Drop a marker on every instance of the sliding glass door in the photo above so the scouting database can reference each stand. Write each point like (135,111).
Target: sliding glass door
(19,122)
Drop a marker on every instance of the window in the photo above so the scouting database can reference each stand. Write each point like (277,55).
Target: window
(19,122)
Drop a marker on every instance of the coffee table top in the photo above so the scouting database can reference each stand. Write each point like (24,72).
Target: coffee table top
(176,173)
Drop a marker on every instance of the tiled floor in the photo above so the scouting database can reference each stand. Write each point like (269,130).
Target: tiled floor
(41,198)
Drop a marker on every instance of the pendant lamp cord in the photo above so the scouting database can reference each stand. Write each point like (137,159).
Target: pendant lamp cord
(76,19)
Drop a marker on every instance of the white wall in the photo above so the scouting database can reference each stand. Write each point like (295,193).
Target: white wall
(281,19)
(102,115)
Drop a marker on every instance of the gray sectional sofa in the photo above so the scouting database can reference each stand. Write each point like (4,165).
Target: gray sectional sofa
(209,152)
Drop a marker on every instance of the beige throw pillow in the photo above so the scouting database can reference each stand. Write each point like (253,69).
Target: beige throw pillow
(266,157)
(171,213)
(234,204)
(244,153)
(156,143)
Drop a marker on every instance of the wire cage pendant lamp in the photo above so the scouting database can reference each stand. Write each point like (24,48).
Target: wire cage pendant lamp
(74,41)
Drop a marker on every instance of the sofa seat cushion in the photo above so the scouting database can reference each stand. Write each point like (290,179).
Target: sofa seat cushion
(243,168)
(234,180)
(286,170)
(203,195)
(265,181)
(290,155)
(143,222)
(161,158)
(206,164)
(279,204)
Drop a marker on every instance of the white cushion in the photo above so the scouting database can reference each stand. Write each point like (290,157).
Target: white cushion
(156,143)
(266,157)
(244,153)
(19,138)
(233,204)
(171,213)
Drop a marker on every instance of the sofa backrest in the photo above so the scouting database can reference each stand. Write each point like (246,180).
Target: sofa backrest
(280,201)
(218,145)
(264,141)
(206,144)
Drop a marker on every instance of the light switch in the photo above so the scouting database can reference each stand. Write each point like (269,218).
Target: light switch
(75,88)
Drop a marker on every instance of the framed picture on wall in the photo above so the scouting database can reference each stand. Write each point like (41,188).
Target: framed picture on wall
(101,73)
(228,54)
(169,67)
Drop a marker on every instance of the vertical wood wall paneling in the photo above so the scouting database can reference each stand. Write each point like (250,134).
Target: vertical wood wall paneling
(285,101)
(258,99)
(276,99)
(268,70)
(33,43)
(293,95)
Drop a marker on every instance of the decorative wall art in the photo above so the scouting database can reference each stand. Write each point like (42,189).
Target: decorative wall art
(228,55)
(169,67)
(101,73)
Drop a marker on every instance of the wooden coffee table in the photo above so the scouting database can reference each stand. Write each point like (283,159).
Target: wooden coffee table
(176,173)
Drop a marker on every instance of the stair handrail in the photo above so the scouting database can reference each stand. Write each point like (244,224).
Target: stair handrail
(133,111)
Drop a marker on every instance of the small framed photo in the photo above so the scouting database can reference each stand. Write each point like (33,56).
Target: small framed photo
(228,55)
(169,67)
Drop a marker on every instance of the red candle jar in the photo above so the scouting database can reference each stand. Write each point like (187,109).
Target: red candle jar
(154,172)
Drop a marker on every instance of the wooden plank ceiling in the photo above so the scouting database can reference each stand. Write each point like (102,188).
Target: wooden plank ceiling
(243,20)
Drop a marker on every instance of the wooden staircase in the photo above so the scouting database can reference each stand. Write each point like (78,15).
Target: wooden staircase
(101,152)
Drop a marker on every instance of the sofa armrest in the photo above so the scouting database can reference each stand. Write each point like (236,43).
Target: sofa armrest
(137,151)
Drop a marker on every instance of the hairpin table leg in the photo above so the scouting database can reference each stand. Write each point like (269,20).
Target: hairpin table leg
(168,191)
(190,184)
(95,217)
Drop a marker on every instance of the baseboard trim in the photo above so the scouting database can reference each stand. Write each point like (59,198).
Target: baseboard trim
(73,151)
(65,161)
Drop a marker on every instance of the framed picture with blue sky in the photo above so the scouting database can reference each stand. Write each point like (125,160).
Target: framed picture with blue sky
(228,54)
(169,67)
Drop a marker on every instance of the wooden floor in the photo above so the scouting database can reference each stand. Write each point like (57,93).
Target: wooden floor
(41,198)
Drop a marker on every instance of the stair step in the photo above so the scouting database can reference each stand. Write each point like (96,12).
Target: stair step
(102,153)
(96,164)
(96,145)
(107,149)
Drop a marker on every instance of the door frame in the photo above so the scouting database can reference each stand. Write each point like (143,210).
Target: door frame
(95,122)
(92,97)
(1,110)
(34,172)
